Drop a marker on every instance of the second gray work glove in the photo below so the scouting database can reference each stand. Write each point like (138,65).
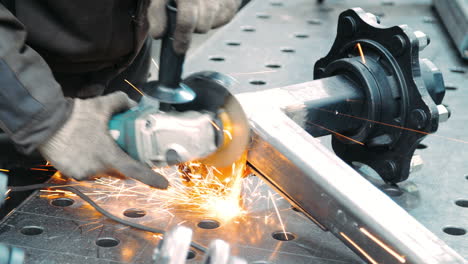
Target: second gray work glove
(197,16)
(83,147)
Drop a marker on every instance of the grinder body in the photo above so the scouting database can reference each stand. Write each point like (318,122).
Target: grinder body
(159,138)
(183,120)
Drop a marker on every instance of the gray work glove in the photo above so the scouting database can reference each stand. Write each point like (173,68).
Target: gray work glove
(192,16)
(83,147)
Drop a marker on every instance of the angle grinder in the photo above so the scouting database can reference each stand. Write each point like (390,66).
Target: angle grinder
(183,120)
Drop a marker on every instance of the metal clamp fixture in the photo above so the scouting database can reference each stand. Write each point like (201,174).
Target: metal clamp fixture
(219,253)
(173,246)
(177,241)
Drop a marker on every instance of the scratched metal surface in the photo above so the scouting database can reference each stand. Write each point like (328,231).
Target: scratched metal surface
(70,233)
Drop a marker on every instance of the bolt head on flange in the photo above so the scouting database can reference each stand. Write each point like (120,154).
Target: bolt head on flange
(444,113)
(349,26)
(418,118)
(416,163)
(373,18)
(389,169)
(398,45)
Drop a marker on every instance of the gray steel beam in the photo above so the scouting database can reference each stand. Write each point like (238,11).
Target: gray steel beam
(328,190)
(454,15)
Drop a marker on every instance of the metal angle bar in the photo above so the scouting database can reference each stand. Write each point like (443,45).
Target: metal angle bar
(454,14)
(331,192)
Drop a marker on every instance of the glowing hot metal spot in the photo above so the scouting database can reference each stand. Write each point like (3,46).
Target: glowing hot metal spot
(225,209)
(215,192)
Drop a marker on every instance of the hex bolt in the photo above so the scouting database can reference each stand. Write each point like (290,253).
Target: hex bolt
(418,118)
(349,26)
(416,163)
(433,80)
(423,39)
(444,113)
(398,45)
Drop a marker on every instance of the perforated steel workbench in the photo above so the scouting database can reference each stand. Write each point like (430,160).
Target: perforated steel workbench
(273,43)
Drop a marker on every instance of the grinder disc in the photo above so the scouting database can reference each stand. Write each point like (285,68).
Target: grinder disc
(236,135)
(212,94)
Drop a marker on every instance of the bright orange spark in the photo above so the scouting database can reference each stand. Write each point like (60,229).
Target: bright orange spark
(159,236)
(361,53)
(383,245)
(363,252)
(216,191)
(4,170)
(133,86)
(215,125)
(94,228)
(37,169)
(56,192)
(222,194)
(336,133)
(395,126)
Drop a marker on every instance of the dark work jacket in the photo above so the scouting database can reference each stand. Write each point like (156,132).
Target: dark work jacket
(40,39)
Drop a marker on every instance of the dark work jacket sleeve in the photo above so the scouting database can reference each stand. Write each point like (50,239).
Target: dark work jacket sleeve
(32,104)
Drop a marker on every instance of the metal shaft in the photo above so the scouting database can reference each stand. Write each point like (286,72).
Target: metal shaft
(322,106)
(327,104)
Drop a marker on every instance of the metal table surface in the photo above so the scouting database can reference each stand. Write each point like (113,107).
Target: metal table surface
(271,44)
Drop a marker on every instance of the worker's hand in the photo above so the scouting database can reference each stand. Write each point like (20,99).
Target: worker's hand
(192,16)
(83,147)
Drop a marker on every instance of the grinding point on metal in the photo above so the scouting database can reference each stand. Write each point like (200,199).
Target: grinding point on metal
(236,135)
(213,95)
